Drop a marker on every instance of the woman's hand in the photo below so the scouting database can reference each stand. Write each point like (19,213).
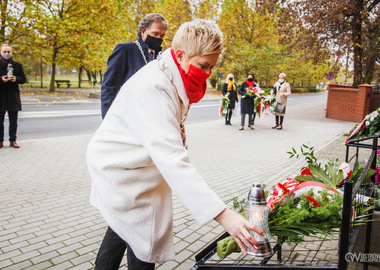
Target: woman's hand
(237,226)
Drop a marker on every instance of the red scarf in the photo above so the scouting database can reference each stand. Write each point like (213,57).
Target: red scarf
(250,84)
(195,91)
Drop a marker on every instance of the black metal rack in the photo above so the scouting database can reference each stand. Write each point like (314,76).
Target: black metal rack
(301,256)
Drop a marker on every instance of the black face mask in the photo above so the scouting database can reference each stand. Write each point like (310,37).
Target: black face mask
(250,79)
(231,79)
(153,43)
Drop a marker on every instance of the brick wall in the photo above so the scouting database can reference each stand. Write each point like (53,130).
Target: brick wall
(347,103)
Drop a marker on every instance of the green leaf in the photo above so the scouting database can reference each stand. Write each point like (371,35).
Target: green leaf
(321,175)
(306,178)
(336,176)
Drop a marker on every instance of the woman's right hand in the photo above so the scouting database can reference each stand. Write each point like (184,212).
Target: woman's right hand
(237,226)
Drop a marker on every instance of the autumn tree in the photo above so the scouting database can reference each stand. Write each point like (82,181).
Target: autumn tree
(251,41)
(176,12)
(102,29)
(338,24)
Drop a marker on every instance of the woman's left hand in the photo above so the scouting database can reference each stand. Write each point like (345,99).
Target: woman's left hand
(237,226)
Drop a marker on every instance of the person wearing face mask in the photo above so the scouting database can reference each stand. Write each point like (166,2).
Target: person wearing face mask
(281,90)
(127,58)
(247,104)
(136,162)
(12,74)
(230,90)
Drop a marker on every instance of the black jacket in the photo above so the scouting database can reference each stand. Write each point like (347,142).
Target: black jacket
(125,60)
(233,95)
(247,103)
(10,91)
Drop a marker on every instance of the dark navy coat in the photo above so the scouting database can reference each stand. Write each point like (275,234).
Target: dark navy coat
(125,60)
(9,91)
(247,104)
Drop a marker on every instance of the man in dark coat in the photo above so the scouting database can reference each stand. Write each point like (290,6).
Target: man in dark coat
(128,58)
(12,74)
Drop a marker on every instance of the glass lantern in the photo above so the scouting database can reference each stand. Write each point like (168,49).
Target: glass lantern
(257,212)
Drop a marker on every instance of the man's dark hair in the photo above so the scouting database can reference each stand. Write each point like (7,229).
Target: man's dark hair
(147,21)
(251,75)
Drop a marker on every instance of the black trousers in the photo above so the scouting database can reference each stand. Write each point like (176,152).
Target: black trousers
(111,253)
(251,119)
(12,115)
(229,115)
(279,120)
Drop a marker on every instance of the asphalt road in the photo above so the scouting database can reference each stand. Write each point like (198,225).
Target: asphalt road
(37,121)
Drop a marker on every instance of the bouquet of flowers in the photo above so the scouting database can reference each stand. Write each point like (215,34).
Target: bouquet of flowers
(262,103)
(369,126)
(309,204)
(224,106)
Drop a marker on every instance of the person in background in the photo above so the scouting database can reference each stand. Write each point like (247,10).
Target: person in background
(230,90)
(281,90)
(247,104)
(127,58)
(136,162)
(12,74)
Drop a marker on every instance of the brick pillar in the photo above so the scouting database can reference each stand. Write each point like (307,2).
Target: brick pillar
(363,100)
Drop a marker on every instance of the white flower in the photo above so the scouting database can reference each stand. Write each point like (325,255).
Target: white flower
(367,117)
(372,118)
(367,123)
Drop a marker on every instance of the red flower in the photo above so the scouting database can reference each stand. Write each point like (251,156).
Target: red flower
(312,201)
(364,127)
(306,171)
(348,177)
(286,191)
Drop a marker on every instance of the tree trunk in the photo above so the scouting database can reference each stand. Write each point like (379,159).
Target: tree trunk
(3,9)
(53,66)
(357,43)
(101,76)
(369,68)
(88,76)
(80,69)
(41,70)
(94,76)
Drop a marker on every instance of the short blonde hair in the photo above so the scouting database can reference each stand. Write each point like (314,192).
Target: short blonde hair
(198,38)
(230,76)
(282,74)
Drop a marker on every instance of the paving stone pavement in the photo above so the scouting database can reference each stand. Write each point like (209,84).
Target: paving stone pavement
(46,221)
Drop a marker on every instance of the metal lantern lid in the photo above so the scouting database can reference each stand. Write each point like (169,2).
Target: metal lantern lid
(256,195)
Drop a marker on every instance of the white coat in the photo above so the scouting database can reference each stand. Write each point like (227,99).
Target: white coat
(282,93)
(136,158)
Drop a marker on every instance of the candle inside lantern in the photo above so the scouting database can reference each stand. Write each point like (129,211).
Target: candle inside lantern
(257,212)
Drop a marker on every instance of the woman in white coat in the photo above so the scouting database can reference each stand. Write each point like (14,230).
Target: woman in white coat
(138,156)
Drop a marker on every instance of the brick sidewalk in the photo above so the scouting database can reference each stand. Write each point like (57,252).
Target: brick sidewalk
(47,222)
